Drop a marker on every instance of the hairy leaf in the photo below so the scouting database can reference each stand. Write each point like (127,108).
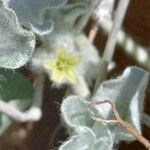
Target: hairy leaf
(89,134)
(83,140)
(75,113)
(127,91)
(31,13)
(16,44)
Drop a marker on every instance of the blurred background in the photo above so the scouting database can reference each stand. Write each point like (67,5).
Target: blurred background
(48,133)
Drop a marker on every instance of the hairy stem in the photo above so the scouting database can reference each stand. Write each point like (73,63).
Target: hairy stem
(93,33)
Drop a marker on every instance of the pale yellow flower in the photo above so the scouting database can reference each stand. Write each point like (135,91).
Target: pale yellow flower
(63,67)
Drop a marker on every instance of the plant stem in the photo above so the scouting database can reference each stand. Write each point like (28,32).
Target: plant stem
(111,42)
(138,52)
(39,87)
(118,120)
(93,33)
(135,133)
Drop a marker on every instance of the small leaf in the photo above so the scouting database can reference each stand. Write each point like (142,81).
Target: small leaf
(86,138)
(16,44)
(89,134)
(83,140)
(31,13)
(128,93)
(75,113)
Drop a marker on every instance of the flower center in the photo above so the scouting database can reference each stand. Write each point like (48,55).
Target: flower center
(62,64)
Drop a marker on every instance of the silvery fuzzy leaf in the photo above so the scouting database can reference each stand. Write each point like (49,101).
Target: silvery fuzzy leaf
(16,44)
(31,13)
(74,112)
(104,143)
(76,117)
(104,137)
(127,91)
(85,139)
(82,140)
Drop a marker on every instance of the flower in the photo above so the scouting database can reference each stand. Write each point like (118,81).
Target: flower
(63,66)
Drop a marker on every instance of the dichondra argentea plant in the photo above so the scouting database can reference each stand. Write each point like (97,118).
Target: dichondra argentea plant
(66,55)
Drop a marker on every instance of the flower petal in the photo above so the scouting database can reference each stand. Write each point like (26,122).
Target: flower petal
(57,76)
(61,54)
(71,76)
(50,64)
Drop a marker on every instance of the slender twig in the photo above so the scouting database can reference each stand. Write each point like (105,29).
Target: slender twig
(118,120)
(34,113)
(135,50)
(39,87)
(111,43)
(93,33)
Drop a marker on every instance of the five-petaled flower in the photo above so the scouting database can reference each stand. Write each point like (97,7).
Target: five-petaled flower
(63,67)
